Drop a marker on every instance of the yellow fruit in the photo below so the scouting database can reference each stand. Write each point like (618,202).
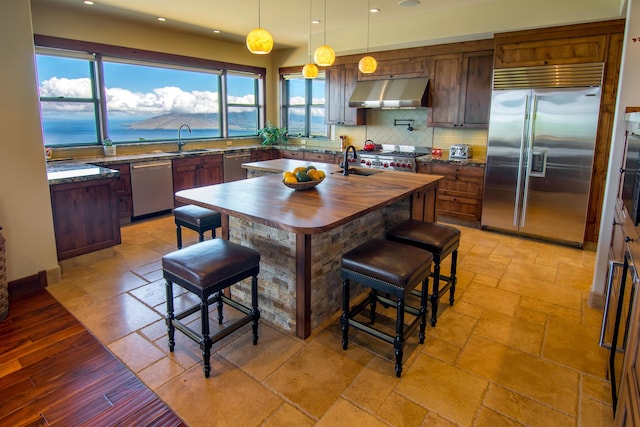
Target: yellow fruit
(299,169)
(291,180)
(287,174)
(321,174)
(314,174)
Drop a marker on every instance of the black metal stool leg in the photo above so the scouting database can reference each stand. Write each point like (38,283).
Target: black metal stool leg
(454,262)
(179,236)
(372,306)
(344,319)
(255,313)
(220,305)
(398,343)
(205,345)
(201,236)
(170,316)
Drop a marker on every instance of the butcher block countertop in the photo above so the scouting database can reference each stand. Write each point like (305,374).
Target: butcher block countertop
(335,201)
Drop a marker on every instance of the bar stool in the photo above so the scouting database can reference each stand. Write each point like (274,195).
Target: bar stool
(439,239)
(197,219)
(393,269)
(206,269)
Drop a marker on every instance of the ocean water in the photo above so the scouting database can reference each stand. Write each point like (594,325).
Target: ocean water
(70,132)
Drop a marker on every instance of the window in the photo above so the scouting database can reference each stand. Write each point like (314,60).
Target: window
(68,99)
(304,105)
(242,104)
(87,97)
(149,103)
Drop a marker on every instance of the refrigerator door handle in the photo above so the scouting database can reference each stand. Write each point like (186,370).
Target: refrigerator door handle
(521,160)
(531,119)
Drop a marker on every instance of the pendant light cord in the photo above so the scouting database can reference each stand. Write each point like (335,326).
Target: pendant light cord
(368,24)
(325,22)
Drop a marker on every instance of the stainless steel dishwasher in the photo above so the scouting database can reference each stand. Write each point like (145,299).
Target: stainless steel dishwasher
(151,187)
(232,165)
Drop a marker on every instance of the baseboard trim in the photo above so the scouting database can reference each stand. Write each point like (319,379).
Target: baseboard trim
(27,285)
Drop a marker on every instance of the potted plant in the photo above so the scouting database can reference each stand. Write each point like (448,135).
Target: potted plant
(109,148)
(272,134)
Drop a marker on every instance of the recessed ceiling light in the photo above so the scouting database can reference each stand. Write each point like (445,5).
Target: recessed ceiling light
(316,21)
(162,19)
(88,2)
(216,31)
(408,3)
(374,10)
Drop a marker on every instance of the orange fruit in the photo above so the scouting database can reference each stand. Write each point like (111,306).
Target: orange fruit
(313,174)
(291,180)
(321,174)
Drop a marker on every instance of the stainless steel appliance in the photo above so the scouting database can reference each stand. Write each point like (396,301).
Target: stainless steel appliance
(151,187)
(460,151)
(541,140)
(232,164)
(390,93)
(390,157)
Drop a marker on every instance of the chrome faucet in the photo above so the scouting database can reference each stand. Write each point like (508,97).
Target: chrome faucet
(180,143)
(345,163)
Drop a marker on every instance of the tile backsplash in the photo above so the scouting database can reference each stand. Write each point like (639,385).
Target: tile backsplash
(381,128)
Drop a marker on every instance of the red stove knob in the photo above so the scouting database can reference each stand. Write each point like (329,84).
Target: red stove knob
(368,163)
(392,164)
(362,161)
(404,165)
(386,165)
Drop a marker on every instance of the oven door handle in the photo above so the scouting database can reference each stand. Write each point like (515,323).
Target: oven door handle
(613,266)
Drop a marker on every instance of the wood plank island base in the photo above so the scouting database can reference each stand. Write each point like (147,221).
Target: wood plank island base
(301,235)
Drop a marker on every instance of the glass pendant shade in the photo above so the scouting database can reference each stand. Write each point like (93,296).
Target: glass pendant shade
(324,56)
(367,65)
(259,41)
(310,71)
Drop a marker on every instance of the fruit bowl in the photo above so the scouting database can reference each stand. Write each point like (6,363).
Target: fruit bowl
(300,186)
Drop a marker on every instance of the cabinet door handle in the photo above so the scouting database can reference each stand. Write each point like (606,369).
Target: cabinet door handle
(613,265)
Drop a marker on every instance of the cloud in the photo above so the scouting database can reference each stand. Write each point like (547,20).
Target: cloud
(159,101)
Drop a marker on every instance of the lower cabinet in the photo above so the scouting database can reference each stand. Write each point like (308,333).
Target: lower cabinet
(85,216)
(460,191)
(125,201)
(320,157)
(264,154)
(191,172)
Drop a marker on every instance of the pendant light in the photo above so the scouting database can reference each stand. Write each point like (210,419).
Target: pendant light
(310,71)
(324,55)
(368,64)
(259,40)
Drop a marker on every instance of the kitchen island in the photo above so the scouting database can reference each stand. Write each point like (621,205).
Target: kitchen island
(301,235)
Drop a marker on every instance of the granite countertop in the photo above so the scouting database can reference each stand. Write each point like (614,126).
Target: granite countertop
(65,172)
(474,161)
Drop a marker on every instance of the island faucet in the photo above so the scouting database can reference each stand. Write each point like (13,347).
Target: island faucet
(345,162)
(180,143)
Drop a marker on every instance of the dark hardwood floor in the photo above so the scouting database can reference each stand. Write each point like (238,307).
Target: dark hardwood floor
(54,372)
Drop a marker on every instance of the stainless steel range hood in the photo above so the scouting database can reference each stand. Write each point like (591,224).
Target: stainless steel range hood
(393,93)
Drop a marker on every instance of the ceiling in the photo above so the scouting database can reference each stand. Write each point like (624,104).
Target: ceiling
(430,22)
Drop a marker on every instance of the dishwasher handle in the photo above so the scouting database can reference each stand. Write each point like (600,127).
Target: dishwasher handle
(150,165)
(237,156)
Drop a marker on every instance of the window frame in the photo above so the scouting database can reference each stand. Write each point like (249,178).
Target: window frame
(62,46)
(286,75)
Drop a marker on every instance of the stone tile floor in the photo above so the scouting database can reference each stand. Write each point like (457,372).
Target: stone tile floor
(519,347)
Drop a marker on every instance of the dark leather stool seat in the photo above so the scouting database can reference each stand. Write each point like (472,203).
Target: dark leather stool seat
(439,239)
(206,269)
(197,219)
(393,269)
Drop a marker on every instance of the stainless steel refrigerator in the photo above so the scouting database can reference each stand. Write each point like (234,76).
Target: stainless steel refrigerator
(541,140)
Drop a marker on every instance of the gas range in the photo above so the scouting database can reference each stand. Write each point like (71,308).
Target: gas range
(391,157)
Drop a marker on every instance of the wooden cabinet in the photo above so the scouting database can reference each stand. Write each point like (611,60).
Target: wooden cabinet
(398,69)
(85,216)
(459,192)
(125,202)
(293,154)
(264,154)
(340,80)
(570,50)
(190,172)
(460,89)
(320,157)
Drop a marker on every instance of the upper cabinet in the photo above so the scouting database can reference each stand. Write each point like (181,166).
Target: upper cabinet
(570,50)
(398,69)
(340,80)
(460,89)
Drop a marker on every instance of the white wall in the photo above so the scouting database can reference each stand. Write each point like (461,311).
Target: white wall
(628,95)
(25,206)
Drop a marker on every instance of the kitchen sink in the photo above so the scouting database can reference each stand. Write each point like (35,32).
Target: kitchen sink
(359,171)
